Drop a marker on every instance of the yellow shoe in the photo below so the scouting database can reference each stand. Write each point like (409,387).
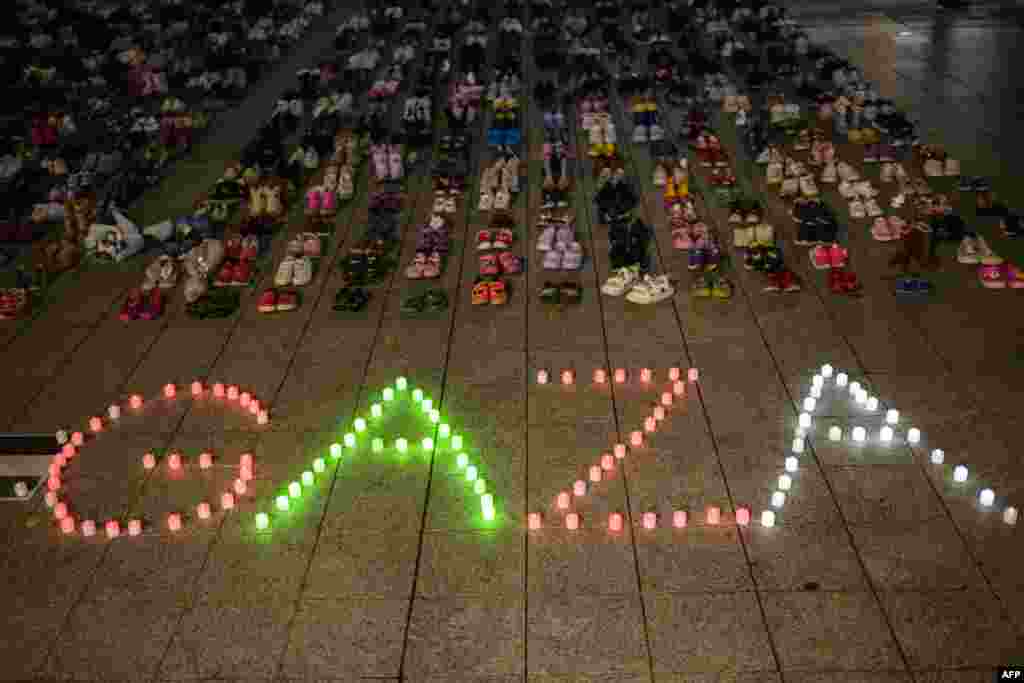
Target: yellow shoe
(870,136)
(855,136)
(670,190)
(683,189)
(595,150)
(609,150)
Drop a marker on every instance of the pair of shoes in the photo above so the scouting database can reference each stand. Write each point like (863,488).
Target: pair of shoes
(563,293)
(424,266)
(495,264)
(351,299)
(273,300)
(489,291)
(975,250)
(823,258)
(712,285)
(651,290)
(430,301)
(841,281)
(294,270)
(782,281)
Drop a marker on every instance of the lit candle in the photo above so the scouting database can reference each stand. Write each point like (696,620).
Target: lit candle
(679,519)
(461,460)
(826,370)
(240,487)
(859,434)
(620,375)
(600,376)
(798,444)
(471,473)
(233,392)
(88,528)
(444,430)
(679,389)
(170,391)
(401,383)
(78,438)
(174,521)
(987,497)
(579,488)
(149,461)
(67,525)
(960,474)
(872,404)
(646,375)
(262,520)
(885,434)
(804,421)
(114,411)
(417,395)
(227,501)
(401,445)
(282,503)
(244,399)
(674,374)
(263,417)
(620,451)
(534,521)
(563,501)
(359,424)
(218,390)
(938,456)
(307,478)
(666,398)
(650,424)
(1010,515)
(607,462)
(892,416)
(854,388)
(792,464)
(659,413)
(914,435)
(768,518)
(134,527)
(841,379)
(427,405)
(427,444)
(785,482)
(809,404)
(174,460)
(197,388)
(377,410)
(60,511)
(68,450)
(203,510)
(456,442)
(595,473)
(479,487)
(205,460)
(542,377)
(572,521)
(714,514)
(636,439)
(96,424)
(388,395)
(778,499)
(53,483)
(817,381)
(816,392)
(377,445)
(294,489)
(650,520)
(835,433)
(349,440)
(692,374)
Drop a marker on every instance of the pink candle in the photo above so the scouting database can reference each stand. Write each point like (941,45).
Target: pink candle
(263,418)
(650,520)
(650,424)
(595,473)
(563,501)
(620,451)
(113,528)
(600,376)
(233,393)
(203,510)
(170,391)
(245,460)
(693,374)
(254,407)
(68,451)
(615,521)
(245,473)
(227,501)
(607,462)
(149,461)
(135,401)
(666,399)
(572,521)
(659,413)
(244,398)
(674,374)
(568,377)
(67,525)
(174,521)
(636,439)
(197,388)
(60,510)
(646,375)
(96,424)
(53,483)
(218,390)
(542,377)
(240,487)
(679,389)
(134,527)
(88,528)
(205,460)
(620,375)
(579,488)
(174,460)
(679,519)
(534,520)
(77,439)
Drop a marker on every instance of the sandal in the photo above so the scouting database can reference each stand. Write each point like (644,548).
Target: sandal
(481,293)
(571,292)
(549,293)
(498,292)
(435,300)
(351,299)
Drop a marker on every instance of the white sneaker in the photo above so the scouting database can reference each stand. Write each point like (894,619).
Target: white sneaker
(621,281)
(651,290)
(302,271)
(285,272)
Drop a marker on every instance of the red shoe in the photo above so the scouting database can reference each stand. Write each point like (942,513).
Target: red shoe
(233,249)
(287,301)
(226,275)
(851,285)
(788,281)
(132,308)
(250,248)
(242,273)
(154,306)
(774,283)
(267,302)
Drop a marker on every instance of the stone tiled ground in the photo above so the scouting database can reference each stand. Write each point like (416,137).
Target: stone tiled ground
(880,569)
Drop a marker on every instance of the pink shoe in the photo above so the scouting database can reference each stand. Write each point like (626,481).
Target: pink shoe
(681,239)
(992,277)
(881,231)
(1014,277)
(327,201)
(547,150)
(313,200)
(395,163)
